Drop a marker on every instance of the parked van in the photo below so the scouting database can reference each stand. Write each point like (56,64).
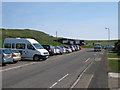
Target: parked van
(29,48)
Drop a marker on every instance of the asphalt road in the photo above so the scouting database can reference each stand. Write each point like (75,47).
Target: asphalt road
(56,72)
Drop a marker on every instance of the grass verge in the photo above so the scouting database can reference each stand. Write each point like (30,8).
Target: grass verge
(114,65)
(87,46)
(113,55)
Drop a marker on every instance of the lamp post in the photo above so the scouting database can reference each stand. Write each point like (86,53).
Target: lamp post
(108,33)
(56,36)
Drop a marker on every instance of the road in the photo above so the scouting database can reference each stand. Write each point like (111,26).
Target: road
(56,72)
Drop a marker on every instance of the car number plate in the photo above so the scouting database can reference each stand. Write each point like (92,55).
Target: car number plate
(18,55)
(9,56)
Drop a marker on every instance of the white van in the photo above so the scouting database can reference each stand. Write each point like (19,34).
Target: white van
(29,48)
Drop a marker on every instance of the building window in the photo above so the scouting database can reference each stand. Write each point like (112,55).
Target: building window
(65,41)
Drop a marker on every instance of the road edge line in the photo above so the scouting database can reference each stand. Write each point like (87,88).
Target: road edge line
(80,75)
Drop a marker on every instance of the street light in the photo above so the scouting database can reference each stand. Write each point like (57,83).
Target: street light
(108,33)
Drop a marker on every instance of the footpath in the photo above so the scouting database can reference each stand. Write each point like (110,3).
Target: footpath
(97,76)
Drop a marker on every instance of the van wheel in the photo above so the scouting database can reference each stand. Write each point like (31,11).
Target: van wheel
(36,58)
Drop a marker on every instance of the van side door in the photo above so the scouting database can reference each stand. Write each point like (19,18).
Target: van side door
(30,51)
(21,47)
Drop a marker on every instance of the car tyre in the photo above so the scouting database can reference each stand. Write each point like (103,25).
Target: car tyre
(3,64)
(36,58)
(15,61)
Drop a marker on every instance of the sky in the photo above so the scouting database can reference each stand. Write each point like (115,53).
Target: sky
(76,20)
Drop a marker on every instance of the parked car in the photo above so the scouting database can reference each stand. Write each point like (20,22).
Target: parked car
(64,49)
(97,47)
(57,50)
(68,49)
(72,48)
(6,56)
(49,48)
(61,50)
(29,48)
(76,48)
(80,48)
(54,50)
(108,47)
(16,55)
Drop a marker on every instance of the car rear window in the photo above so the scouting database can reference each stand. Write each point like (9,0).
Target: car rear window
(15,51)
(7,51)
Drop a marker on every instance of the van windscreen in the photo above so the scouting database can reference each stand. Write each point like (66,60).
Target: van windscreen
(37,46)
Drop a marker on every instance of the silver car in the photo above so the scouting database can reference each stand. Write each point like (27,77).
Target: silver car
(16,55)
(57,50)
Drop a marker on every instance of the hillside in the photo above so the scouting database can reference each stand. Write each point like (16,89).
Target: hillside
(103,42)
(41,37)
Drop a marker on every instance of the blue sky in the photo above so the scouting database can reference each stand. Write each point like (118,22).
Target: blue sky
(80,20)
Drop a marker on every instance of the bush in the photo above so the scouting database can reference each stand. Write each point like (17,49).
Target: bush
(117,47)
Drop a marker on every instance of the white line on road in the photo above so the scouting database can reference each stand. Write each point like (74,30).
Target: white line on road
(63,77)
(18,66)
(59,81)
(87,59)
(53,85)
(79,77)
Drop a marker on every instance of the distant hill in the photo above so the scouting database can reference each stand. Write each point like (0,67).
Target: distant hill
(41,37)
(103,42)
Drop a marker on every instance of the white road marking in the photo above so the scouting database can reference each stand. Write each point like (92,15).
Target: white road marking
(53,85)
(89,80)
(17,67)
(87,59)
(79,77)
(63,77)
(59,81)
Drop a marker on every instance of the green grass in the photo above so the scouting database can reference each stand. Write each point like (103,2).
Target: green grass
(113,55)
(0,38)
(0,43)
(114,65)
(41,37)
(103,42)
(87,46)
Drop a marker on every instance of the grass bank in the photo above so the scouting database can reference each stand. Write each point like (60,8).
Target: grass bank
(113,55)
(114,65)
(103,42)
(87,46)
(41,37)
